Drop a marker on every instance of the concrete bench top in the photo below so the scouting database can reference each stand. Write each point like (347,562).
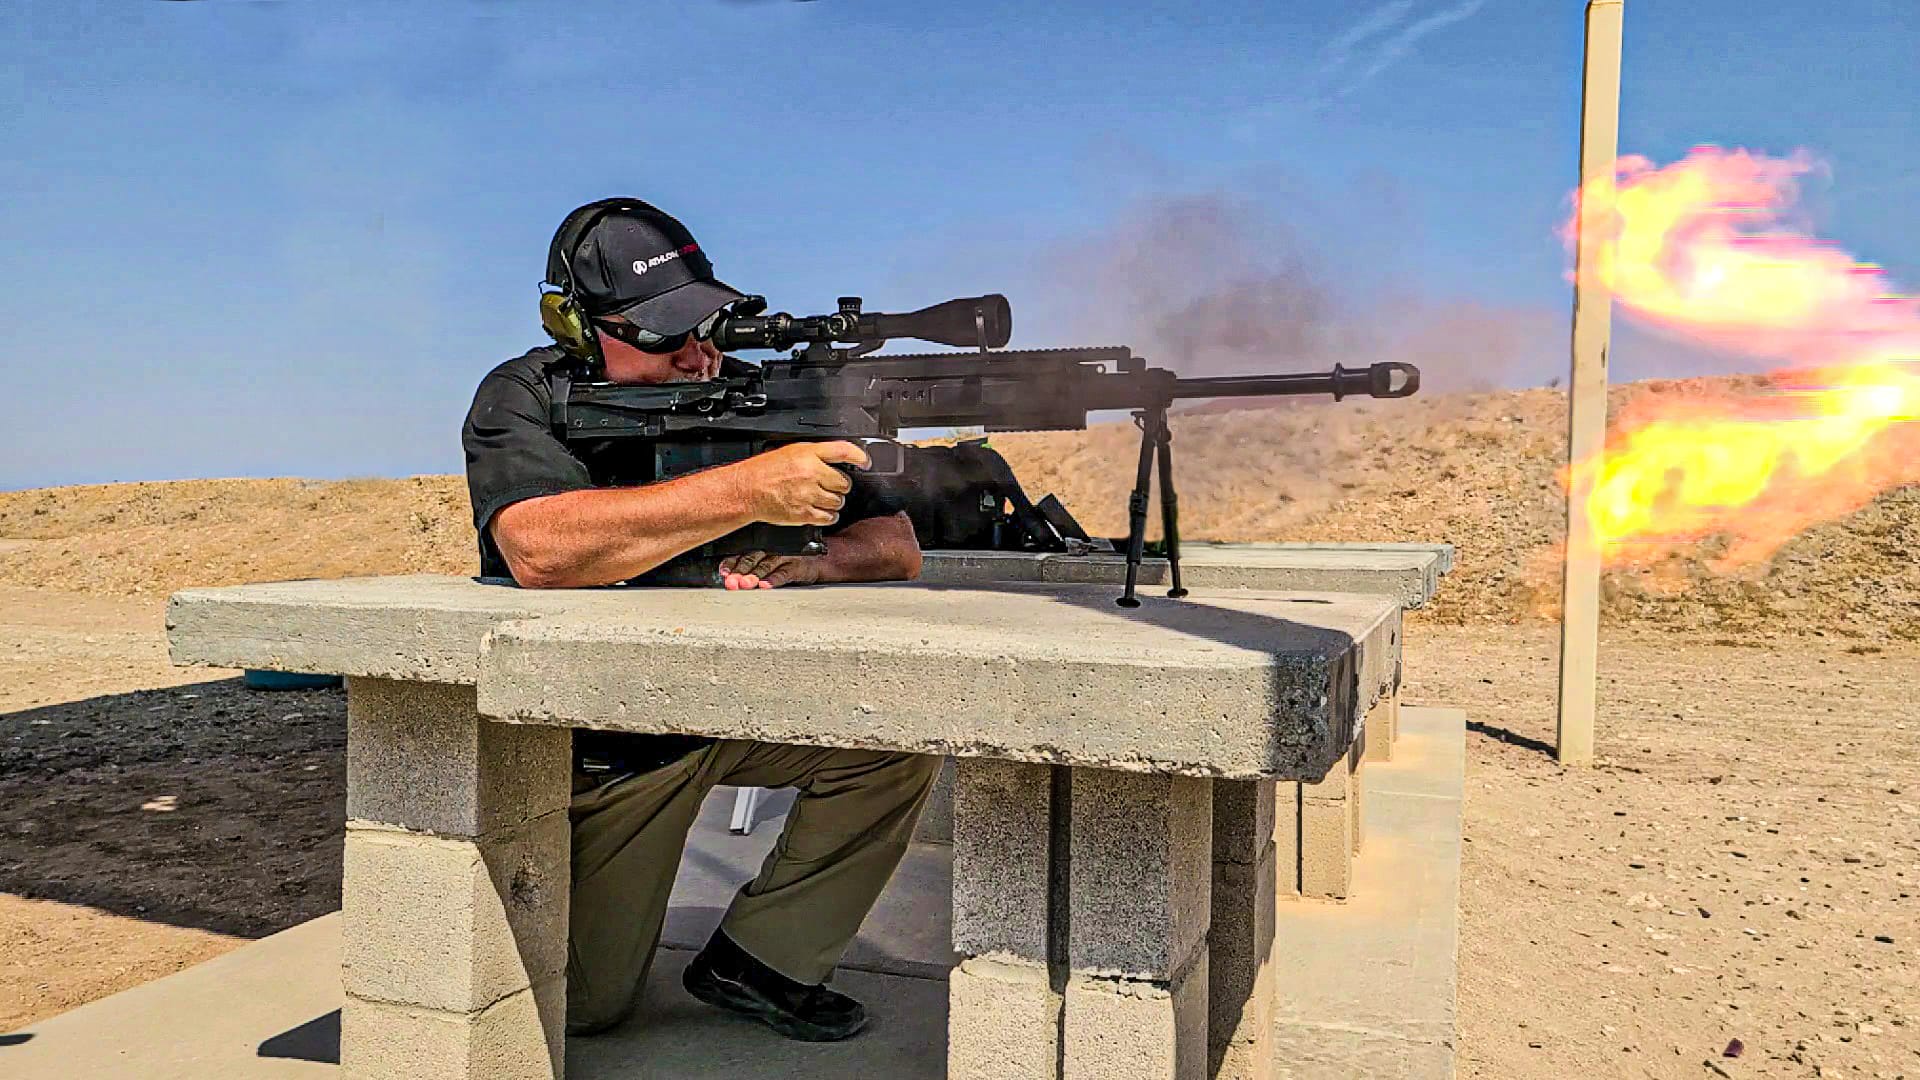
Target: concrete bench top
(1409,573)
(1227,683)
(1442,552)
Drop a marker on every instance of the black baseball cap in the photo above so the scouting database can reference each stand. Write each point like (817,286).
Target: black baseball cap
(625,257)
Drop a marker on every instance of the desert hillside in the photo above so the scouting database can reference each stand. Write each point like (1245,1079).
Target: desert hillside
(1474,470)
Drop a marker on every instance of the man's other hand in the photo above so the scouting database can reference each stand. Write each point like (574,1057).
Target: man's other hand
(759,570)
(872,549)
(797,484)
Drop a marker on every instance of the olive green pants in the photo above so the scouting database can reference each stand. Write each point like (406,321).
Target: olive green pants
(843,838)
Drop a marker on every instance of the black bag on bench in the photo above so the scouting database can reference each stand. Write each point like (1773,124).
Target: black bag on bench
(965,498)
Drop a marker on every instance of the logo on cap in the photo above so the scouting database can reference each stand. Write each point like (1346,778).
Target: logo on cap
(641,266)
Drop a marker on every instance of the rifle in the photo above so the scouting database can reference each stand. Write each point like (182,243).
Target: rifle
(821,391)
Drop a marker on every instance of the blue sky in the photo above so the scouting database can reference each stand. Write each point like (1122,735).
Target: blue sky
(257,238)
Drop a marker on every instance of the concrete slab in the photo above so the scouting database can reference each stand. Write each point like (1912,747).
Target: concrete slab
(1265,566)
(1410,574)
(1381,966)
(679,1038)
(1366,988)
(1031,672)
(270,1011)
(260,1012)
(1230,683)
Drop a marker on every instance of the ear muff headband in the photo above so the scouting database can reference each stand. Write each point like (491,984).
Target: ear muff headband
(573,230)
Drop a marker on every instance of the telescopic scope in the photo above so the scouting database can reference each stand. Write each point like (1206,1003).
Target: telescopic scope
(968,322)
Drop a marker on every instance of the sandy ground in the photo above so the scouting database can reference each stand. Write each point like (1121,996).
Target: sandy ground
(1742,865)
(150,816)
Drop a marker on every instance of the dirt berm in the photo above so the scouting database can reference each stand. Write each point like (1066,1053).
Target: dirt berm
(1475,470)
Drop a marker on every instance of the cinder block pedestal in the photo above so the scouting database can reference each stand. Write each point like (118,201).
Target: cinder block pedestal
(1003,1020)
(1240,983)
(1140,885)
(1081,901)
(1147,1028)
(1383,726)
(1004,1001)
(1122,924)
(454,897)
(1315,832)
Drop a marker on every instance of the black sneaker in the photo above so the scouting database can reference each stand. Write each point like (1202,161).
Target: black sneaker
(728,977)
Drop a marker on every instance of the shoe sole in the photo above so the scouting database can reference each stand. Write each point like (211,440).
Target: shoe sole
(721,996)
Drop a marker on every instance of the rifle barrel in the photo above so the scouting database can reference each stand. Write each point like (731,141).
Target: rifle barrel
(1391,379)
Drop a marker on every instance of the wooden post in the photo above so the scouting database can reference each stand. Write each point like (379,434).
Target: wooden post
(1586,429)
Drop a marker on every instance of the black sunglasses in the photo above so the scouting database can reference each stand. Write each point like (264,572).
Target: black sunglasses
(649,342)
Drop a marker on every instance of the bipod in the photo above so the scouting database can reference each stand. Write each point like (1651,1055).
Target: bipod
(1156,446)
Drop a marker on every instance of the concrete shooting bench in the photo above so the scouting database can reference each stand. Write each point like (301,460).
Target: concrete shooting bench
(1117,843)
(1409,573)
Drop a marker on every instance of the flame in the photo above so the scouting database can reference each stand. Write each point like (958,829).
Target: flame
(1706,249)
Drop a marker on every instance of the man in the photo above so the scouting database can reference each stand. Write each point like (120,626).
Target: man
(551,517)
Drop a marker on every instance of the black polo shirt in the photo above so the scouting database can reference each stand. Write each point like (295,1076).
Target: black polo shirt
(513,454)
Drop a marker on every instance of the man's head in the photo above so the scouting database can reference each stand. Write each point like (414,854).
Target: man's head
(648,291)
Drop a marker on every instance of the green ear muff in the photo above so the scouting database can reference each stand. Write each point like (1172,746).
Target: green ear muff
(564,322)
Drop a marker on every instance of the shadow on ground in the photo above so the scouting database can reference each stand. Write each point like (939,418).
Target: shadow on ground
(317,1040)
(210,805)
(1511,738)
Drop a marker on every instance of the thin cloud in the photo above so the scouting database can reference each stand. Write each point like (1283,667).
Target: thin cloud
(1339,51)
(1390,35)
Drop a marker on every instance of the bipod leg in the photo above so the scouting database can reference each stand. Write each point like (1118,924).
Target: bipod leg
(1169,507)
(1149,422)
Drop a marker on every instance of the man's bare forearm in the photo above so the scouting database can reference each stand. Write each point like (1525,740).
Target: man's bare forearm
(603,535)
(873,549)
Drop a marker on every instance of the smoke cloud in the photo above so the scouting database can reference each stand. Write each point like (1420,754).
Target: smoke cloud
(1213,284)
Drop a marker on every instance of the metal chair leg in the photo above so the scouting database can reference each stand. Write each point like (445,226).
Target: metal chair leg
(746,802)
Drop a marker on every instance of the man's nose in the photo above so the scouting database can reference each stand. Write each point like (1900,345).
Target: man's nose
(689,357)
